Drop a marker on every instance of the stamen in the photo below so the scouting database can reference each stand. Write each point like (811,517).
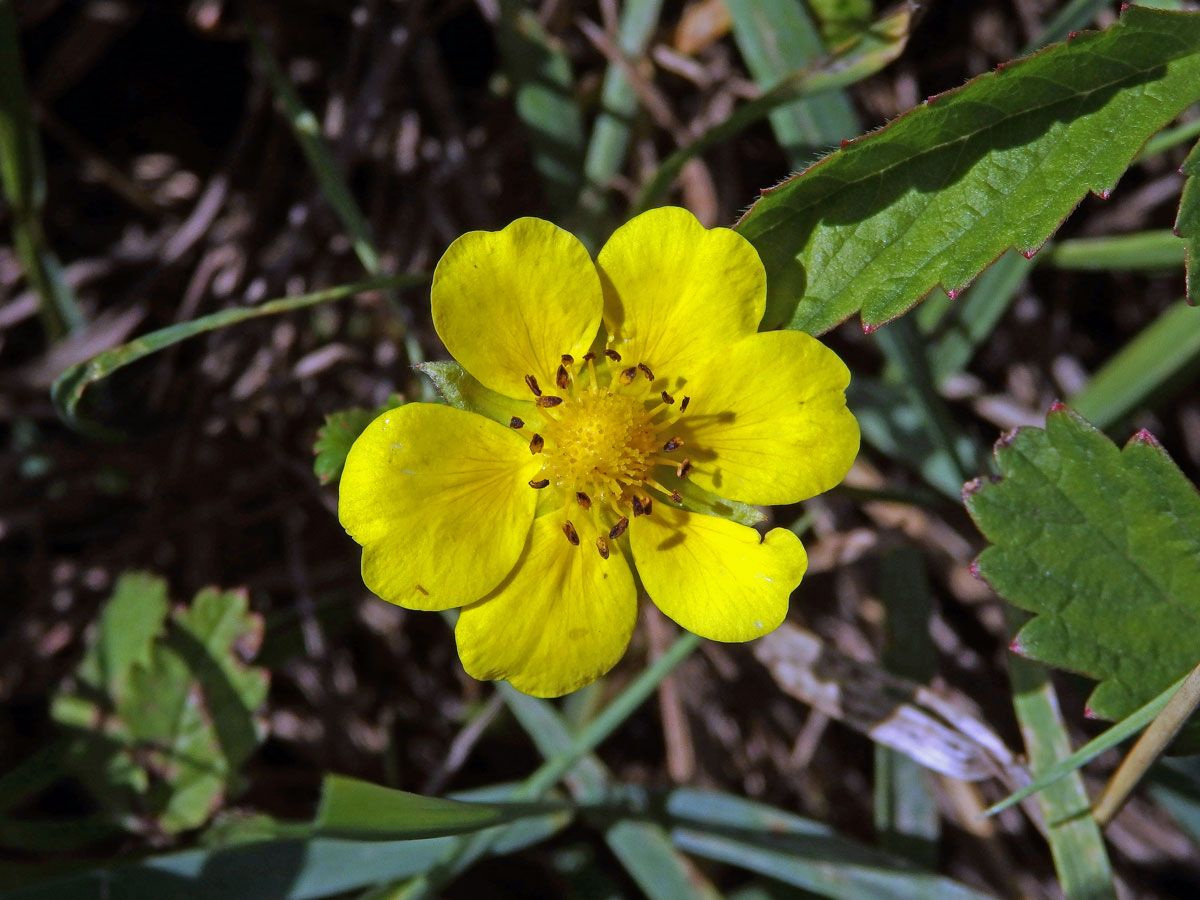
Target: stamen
(568,359)
(647,506)
(638,508)
(548,401)
(645,370)
(536,445)
(561,378)
(675,496)
(533,385)
(673,444)
(682,470)
(602,547)
(569,531)
(619,529)
(667,398)
(613,355)
(538,485)
(583,499)
(514,422)
(589,356)
(684,403)
(628,374)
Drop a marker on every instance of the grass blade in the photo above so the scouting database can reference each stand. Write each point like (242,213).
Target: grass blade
(23,179)
(68,388)
(874,50)
(609,142)
(906,815)
(1143,251)
(544,89)
(1159,357)
(1076,844)
(777,39)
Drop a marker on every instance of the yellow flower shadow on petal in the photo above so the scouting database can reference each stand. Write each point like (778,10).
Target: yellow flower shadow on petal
(428,487)
(560,621)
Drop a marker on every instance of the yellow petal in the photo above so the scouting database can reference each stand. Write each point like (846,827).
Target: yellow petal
(676,292)
(510,303)
(767,422)
(440,500)
(561,619)
(714,577)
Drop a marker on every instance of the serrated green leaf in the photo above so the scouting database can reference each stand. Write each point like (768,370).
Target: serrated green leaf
(163,718)
(336,436)
(1187,224)
(1103,546)
(942,191)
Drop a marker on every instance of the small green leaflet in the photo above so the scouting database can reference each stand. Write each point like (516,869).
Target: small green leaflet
(940,193)
(163,708)
(1187,223)
(1103,546)
(340,431)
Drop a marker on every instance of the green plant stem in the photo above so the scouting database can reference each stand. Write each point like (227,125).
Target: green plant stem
(468,850)
(1149,747)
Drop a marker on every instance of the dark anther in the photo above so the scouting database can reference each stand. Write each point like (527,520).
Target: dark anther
(602,546)
(673,444)
(683,403)
(583,499)
(545,482)
(548,401)
(561,378)
(589,356)
(568,359)
(645,370)
(569,531)
(627,375)
(676,497)
(536,445)
(667,398)
(638,509)
(514,422)
(533,385)
(613,355)
(647,506)
(619,529)
(681,470)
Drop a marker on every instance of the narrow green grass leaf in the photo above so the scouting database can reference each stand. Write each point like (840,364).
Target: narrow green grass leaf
(644,848)
(938,194)
(1143,251)
(544,90)
(906,814)
(1110,738)
(798,851)
(609,141)
(958,327)
(841,20)
(307,131)
(871,51)
(1187,223)
(22,176)
(1074,16)
(68,388)
(1076,844)
(777,39)
(1160,358)
(1103,546)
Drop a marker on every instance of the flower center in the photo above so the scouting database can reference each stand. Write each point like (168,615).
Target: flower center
(603,434)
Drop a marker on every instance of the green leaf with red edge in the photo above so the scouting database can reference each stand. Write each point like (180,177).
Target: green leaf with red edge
(938,194)
(1102,545)
(1187,223)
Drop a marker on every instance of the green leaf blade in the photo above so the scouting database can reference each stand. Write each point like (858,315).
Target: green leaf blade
(877,225)
(1103,546)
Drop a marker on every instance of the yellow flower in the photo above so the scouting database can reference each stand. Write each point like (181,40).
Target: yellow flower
(618,440)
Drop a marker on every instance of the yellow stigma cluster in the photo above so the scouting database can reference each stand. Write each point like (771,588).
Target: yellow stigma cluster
(600,443)
(601,436)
